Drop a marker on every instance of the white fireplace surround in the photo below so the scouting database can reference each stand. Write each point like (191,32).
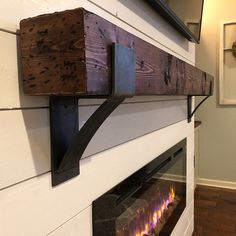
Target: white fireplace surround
(136,133)
(98,175)
(124,160)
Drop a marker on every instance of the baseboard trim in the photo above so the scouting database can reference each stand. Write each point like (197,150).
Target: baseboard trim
(216,183)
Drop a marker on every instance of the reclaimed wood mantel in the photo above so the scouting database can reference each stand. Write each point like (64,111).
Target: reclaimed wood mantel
(69,53)
(75,54)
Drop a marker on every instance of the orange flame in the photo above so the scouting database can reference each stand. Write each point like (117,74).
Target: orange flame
(155,216)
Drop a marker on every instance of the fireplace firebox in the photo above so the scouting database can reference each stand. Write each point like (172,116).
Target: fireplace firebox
(147,203)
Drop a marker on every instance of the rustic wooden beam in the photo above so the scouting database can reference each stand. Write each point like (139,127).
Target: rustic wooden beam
(69,53)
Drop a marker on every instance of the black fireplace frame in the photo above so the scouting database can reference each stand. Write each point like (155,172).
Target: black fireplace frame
(135,181)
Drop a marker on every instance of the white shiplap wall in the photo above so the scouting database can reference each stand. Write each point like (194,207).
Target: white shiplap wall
(28,203)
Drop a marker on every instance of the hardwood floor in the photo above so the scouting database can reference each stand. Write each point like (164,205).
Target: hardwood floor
(215,212)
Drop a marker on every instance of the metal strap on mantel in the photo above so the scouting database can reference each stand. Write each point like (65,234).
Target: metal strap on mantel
(190,112)
(67,143)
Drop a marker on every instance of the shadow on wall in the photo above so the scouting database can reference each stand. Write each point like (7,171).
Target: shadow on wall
(154,19)
(36,120)
(131,121)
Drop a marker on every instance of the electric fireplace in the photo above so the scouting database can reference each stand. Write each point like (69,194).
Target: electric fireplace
(147,203)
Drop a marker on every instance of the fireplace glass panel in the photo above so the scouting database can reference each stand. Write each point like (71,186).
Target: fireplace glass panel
(147,203)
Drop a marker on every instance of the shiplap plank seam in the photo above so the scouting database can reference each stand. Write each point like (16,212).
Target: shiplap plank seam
(99,7)
(140,31)
(24,180)
(73,217)
(88,105)
(38,190)
(29,132)
(9,32)
(22,108)
(87,156)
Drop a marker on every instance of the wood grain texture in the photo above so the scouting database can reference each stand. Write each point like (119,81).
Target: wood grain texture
(11,89)
(215,211)
(53,55)
(69,53)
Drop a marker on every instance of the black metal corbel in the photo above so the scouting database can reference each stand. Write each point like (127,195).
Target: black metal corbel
(190,112)
(68,143)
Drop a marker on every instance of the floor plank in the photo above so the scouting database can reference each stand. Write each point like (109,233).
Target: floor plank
(215,211)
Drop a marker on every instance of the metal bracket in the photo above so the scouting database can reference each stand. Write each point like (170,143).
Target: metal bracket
(190,112)
(67,143)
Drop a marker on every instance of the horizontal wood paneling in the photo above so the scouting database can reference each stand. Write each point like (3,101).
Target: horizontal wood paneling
(132,120)
(31,206)
(25,145)
(144,19)
(81,224)
(28,132)
(135,99)
(155,30)
(32,146)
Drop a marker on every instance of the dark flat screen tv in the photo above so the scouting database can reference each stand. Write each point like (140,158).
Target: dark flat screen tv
(184,15)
